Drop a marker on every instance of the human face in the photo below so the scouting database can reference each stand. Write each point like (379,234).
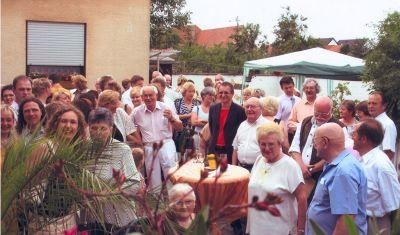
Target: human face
(168,80)
(288,89)
(100,131)
(7,122)
(310,91)
(225,94)
(253,110)
(375,106)
(23,90)
(208,98)
(219,79)
(64,98)
(32,114)
(356,138)
(322,114)
(136,100)
(189,93)
(68,125)
(112,106)
(270,147)
(246,96)
(149,97)
(361,115)
(8,97)
(183,207)
(344,112)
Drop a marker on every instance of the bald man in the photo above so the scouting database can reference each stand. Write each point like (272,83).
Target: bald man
(342,186)
(302,149)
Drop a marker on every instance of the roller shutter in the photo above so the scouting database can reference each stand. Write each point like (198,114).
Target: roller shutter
(55,44)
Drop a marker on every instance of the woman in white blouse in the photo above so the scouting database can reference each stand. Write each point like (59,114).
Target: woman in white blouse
(276,173)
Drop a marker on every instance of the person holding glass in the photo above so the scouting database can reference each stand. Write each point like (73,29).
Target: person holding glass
(276,173)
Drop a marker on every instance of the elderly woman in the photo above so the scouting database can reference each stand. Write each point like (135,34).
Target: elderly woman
(347,112)
(30,117)
(115,155)
(124,129)
(199,116)
(184,106)
(276,173)
(180,216)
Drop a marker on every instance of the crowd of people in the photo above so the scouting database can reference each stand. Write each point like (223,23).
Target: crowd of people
(323,167)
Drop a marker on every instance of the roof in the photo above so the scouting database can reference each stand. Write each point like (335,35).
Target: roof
(327,41)
(207,37)
(334,48)
(212,37)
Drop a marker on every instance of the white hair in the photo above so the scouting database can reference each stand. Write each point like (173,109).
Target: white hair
(180,189)
(149,86)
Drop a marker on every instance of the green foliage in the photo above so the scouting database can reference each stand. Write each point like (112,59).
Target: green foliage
(164,16)
(290,33)
(382,65)
(219,59)
(337,96)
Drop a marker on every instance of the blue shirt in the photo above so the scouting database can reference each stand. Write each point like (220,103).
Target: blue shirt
(341,189)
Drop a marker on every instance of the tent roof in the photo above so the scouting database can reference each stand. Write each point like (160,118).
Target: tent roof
(316,62)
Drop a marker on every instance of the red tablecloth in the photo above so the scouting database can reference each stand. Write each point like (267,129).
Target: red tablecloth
(229,189)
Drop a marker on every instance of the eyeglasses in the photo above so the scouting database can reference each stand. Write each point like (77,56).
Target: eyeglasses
(224,93)
(185,203)
(251,106)
(323,115)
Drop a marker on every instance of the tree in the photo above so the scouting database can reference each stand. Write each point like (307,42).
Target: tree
(382,65)
(164,16)
(291,34)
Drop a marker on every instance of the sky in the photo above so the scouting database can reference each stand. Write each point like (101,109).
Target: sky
(340,19)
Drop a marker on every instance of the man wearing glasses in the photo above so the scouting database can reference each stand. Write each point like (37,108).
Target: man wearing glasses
(302,149)
(224,120)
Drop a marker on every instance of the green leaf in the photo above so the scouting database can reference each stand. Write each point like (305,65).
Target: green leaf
(316,228)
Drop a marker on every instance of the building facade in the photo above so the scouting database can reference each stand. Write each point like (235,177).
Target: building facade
(94,38)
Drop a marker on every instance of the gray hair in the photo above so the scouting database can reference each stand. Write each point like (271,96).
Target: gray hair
(180,189)
(309,80)
(207,91)
(153,87)
(101,115)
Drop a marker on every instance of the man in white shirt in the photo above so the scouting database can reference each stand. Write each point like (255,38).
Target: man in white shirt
(302,149)
(377,104)
(169,90)
(383,191)
(156,122)
(287,100)
(245,145)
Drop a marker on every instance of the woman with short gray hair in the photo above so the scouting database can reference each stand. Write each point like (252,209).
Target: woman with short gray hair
(200,113)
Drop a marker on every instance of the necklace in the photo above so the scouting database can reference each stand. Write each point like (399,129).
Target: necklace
(267,168)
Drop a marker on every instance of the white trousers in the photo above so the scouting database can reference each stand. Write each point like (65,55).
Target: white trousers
(164,160)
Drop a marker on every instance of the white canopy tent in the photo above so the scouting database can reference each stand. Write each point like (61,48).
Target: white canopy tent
(316,62)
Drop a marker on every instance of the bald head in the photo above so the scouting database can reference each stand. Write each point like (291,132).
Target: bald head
(329,141)
(323,109)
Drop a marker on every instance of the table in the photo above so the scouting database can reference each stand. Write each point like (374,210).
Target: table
(229,189)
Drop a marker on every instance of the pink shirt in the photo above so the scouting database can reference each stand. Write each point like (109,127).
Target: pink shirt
(152,124)
(301,110)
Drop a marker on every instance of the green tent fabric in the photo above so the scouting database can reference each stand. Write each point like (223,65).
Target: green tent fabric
(315,62)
